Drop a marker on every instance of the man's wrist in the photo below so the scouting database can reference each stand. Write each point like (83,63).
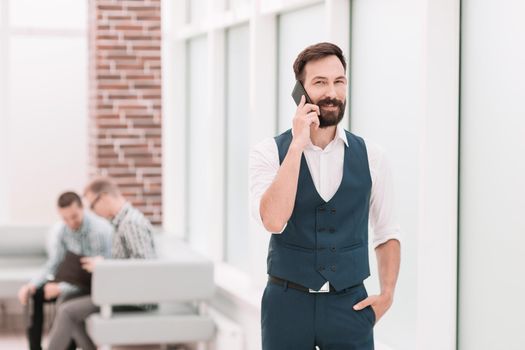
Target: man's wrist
(295,148)
(388,293)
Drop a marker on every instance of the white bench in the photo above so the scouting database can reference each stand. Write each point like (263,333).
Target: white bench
(22,255)
(180,282)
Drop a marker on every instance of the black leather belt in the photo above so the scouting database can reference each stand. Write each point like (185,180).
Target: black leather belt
(281,282)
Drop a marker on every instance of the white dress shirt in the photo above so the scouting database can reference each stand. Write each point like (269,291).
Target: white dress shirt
(326,169)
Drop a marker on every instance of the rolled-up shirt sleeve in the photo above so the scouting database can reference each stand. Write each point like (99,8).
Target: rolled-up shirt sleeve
(382,200)
(263,167)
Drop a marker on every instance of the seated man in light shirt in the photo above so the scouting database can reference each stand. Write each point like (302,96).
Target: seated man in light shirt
(133,239)
(82,233)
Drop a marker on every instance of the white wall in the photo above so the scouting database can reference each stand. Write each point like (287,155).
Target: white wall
(492,171)
(44,109)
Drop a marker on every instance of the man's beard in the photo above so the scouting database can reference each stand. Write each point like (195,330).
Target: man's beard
(331,118)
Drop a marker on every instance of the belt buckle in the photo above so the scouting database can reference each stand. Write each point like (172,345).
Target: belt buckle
(324,289)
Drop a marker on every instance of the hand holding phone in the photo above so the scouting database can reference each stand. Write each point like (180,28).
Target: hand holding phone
(298,91)
(306,116)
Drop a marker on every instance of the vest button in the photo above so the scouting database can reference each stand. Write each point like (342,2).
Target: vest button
(332,249)
(321,268)
(333,210)
(333,268)
(332,230)
(321,210)
(321,229)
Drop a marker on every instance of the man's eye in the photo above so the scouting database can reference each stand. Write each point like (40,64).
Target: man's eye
(319,82)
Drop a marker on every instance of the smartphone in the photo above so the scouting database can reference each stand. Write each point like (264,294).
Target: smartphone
(298,92)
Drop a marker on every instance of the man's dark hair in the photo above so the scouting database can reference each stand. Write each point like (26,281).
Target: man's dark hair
(68,198)
(313,53)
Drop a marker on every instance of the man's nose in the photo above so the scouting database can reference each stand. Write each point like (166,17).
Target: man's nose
(330,91)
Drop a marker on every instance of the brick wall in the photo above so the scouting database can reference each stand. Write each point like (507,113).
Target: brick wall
(125,99)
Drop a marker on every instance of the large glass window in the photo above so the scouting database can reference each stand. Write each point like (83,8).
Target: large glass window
(237,144)
(195,10)
(492,195)
(237,4)
(197,143)
(239,77)
(278,35)
(297,30)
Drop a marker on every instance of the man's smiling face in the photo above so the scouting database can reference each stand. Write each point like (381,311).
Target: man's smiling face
(326,84)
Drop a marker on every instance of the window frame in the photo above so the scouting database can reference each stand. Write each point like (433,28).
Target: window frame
(262,19)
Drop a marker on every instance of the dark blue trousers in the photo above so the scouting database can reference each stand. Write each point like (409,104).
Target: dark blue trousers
(296,320)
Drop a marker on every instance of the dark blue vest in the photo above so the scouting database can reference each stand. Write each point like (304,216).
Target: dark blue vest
(326,241)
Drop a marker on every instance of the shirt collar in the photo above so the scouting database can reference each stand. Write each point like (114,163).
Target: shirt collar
(84,226)
(121,214)
(340,133)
